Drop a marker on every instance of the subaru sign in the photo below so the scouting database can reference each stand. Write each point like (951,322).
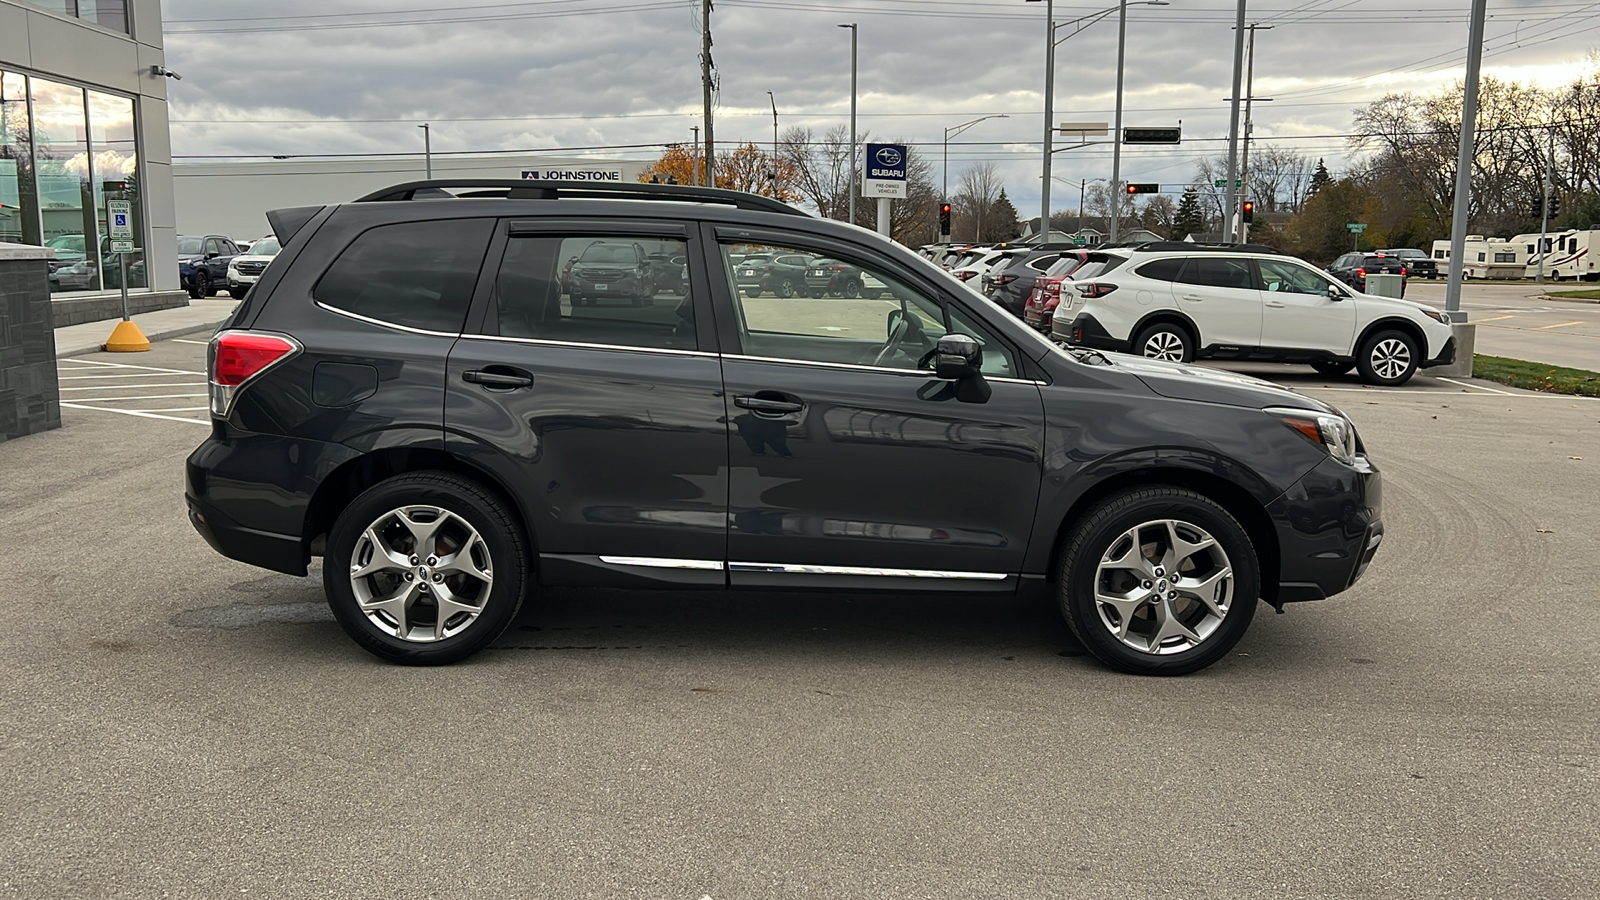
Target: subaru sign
(886,171)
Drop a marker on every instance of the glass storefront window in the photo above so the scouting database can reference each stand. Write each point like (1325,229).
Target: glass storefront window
(115,159)
(112,14)
(19,215)
(61,171)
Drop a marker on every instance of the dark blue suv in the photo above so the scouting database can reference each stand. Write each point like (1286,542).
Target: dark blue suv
(413,393)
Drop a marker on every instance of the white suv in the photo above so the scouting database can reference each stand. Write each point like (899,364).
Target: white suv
(1179,301)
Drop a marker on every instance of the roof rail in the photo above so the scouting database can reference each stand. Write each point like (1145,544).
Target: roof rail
(1188,246)
(529,189)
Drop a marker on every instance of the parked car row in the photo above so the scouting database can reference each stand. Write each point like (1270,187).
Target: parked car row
(1182,301)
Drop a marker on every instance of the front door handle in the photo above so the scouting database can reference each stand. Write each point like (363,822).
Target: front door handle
(1192,297)
(768,406)
(1275,305)
(498,378)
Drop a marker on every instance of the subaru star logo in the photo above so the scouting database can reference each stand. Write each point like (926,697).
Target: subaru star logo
(888,156)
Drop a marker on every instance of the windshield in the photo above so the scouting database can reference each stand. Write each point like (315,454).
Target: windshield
(66,242)
(189,245)
(608,253)
(265,247)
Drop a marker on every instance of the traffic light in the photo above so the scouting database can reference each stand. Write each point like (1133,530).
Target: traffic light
(1249,211)
(1143,187)
(1536,208)
(944,218)
(1555,206)
(110,187)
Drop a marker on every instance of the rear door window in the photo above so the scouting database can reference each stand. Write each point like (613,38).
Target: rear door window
(412,274)
(1218,272)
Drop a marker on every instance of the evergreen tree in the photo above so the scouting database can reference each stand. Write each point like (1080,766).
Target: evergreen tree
(1319,179)
(1002,222)
(1188,219)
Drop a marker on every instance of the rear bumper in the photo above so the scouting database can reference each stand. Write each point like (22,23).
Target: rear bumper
(249,501)
(1329,525)
(1086,331)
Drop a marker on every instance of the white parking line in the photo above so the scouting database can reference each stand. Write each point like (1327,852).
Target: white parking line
(182,341)
(1477,387)
(116,375)
(179,409)
(148,397)
(112,365)
(116,387)
(134,412)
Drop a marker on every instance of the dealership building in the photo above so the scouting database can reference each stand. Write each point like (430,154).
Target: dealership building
(83,120)
(232,199)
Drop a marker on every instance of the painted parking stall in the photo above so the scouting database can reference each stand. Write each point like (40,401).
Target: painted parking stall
(173,393)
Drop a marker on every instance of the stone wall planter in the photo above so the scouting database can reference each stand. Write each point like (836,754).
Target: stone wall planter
(30,396)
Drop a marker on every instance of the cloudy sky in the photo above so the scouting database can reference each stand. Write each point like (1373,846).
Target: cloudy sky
(292,77)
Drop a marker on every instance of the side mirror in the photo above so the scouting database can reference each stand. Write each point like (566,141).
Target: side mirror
(957,357)
(1335,293)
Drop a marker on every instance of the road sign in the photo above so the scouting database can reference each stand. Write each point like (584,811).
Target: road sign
(1080,240)
(119,215)
(886,171)
(122,246)
(1356,227)
(1152,135)
(1086,129)
(1223,182)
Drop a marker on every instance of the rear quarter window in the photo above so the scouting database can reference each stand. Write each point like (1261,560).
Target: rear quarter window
(1161,269)
(415,274)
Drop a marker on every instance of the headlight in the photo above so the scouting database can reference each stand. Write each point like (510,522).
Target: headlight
(1333,433)
(1434,314)
(233,268)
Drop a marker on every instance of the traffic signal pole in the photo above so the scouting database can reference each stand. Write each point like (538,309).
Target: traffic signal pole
(1544,208)
(1231,215)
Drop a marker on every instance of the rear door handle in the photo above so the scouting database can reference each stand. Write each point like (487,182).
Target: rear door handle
(1192,297)
(764,405)
(1275,305)
(498,377)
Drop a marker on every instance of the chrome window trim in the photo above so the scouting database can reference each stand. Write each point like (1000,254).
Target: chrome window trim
(371,321)
(659,562)
(856,367)
(804,569)
(583,345)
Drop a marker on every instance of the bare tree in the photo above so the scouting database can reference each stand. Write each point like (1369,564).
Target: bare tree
(820,165)
(975,197)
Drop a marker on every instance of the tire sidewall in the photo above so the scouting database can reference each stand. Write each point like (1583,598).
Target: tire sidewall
(1364,358)
(507,553)
(1080,562)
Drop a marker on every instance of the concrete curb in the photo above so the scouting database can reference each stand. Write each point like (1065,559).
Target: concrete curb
(153,336)
(1566,299)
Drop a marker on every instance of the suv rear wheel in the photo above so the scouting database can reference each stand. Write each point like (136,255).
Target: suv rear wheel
(1388,358)
(1159,581)
(425,569)
(1165,340)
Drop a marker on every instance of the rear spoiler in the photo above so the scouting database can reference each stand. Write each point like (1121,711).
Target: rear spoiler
(286,223)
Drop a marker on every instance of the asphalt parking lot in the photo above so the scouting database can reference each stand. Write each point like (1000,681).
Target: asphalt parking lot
(177,724)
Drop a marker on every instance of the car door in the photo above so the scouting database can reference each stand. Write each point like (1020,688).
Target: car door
(1218,293)
(1300,314)
(850,465)
(604,419)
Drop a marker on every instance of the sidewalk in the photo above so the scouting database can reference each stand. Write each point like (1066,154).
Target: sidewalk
(199,317)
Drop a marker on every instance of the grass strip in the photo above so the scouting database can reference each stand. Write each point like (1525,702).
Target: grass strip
(1576,295)
(1531,376)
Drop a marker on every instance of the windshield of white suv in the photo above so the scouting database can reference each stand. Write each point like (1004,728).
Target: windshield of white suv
(267,246)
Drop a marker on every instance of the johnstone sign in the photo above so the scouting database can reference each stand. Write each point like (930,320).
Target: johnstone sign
(587,174)
(886,171)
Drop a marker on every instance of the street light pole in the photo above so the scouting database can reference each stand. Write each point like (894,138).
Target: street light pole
(1049,114)
(852,189)
(1116,135)
(1232,201)
(774,143)
(427,150)
(1469,125)
(953,131)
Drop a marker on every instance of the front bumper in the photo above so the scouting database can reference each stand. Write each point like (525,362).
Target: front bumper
(1447,354)
(1329,526)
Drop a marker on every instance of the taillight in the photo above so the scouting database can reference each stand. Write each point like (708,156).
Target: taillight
(1004,279)
(966,276)
(1402,271)
(1095,289)
(237,357)
(1362,272)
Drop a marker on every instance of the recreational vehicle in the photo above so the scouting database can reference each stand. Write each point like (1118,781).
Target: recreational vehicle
(1490,258)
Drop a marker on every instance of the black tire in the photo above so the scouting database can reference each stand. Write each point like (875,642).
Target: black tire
(1332,368)
(507,556)
(199,285)
(238,293)
(1168,335)
(209,287)
(1388,358)
(785,288)
(851,289)
(1100,533)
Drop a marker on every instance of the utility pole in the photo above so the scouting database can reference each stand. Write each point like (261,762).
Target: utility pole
(1249,123)
(1116,136)
(1231,213)
(1049,113)
(1469,126)
(427,150)
(694,154)
(705,88)
(854,32)
(774,143)
(1544,213)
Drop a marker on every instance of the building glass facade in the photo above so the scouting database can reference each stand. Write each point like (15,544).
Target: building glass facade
(112,14)
(61,147)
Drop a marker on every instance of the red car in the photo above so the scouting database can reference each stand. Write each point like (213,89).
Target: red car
(1041,304)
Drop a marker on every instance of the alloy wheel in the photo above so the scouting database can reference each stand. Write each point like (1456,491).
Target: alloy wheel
(1164,345)
(1390,358)
(1163,587)
(421,573)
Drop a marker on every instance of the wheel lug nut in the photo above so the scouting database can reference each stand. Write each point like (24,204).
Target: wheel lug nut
(423,587)
(437,577)
(410,577)
(415,560)
(433,560)
(1148,585)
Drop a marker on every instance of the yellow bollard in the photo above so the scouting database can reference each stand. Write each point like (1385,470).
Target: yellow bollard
(127,338)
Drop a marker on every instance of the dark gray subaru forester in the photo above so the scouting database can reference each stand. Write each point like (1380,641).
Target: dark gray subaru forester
(411,393)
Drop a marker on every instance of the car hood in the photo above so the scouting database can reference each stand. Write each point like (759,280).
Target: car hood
(189,260)
(248,258)
(1185,381)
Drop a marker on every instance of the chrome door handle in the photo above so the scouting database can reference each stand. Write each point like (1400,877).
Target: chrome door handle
(1275,305)
(504,380)
(1192,297)
(763,405)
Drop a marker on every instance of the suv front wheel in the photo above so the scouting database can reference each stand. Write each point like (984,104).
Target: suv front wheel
(1159,581)
(1167,341)
(425,569)
(1388,358)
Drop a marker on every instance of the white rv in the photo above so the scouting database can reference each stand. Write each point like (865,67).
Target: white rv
(1567,254)
(1491,258)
